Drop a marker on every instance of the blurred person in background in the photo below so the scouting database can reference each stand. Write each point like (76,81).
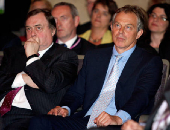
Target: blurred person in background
(86,26)
(101,16)
(40,4)
(158,33)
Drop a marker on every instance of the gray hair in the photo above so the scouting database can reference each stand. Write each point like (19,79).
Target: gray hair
(138,11)
(73,9)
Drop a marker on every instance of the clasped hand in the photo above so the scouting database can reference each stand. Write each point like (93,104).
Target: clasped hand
(59,111)
(32,46)
(104,119)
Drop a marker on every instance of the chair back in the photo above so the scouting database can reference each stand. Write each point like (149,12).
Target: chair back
(80,62)
(165,74)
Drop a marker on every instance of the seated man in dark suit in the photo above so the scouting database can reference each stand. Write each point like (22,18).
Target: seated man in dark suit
(67,20)
(41,72)
(114,85)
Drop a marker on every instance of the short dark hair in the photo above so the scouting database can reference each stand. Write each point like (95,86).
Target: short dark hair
(138,11)
(47,14)
(112,6)
(74,11)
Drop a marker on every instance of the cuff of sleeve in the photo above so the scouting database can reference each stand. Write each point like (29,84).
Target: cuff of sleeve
(18,81)
(123,115)
(66,107)
(32,60)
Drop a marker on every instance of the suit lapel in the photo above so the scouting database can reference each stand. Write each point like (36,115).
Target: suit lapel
(103,63)
(46,58)
(132,63)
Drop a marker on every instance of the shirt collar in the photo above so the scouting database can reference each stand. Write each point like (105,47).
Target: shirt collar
(41,53)
(69,43)
(125,55)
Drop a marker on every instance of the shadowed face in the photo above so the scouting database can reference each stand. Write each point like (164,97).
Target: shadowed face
(65,23)
(100,16)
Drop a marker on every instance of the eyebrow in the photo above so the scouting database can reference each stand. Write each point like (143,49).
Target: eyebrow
(125,24)
(35,25)
(160,15)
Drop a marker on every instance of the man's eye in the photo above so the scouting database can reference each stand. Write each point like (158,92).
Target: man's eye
(28,29)
(39,28)
(64,18)
(117,25)
(128,28)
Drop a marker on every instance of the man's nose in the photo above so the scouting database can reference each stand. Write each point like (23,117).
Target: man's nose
(121,30)
(58,23)
(33,33)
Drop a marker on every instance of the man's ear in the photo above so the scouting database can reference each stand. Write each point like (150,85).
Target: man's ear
(111,25)
(139,33)
(53,32)
(76,20)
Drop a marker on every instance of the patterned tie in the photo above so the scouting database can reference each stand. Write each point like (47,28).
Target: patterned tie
(106,95)
(6,105)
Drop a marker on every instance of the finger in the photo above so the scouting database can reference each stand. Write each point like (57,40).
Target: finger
(36,39)
(50,112)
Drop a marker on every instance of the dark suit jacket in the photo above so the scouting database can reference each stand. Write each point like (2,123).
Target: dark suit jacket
(83,46)
(135,89)
(165,96)
(53,74)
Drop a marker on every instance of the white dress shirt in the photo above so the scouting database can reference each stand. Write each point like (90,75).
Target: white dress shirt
(69,43)
(20,99)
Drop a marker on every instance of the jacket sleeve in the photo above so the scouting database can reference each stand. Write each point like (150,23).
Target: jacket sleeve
(54,73)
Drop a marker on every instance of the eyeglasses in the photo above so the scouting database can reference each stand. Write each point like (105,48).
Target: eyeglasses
(154,16)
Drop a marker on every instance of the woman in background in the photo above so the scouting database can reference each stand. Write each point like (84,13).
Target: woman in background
(158,34)
(102,13)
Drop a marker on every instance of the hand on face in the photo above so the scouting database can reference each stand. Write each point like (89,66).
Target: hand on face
(104,119)
(58,111)
(32,46)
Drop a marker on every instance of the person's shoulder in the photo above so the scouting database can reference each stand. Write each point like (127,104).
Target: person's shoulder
(14,49)
(146,54)
(100,51)
(59,49)
(84,41)
(83,28)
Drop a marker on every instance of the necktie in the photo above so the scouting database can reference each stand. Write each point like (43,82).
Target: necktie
(64,45)
(6,105)
(106,94)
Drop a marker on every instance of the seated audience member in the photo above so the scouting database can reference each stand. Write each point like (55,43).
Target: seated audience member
(102,13)
(7,38)
(158,34)
(40,4)
(158,120)
(86,26)
(67,20)
(114,85)
(40,72)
